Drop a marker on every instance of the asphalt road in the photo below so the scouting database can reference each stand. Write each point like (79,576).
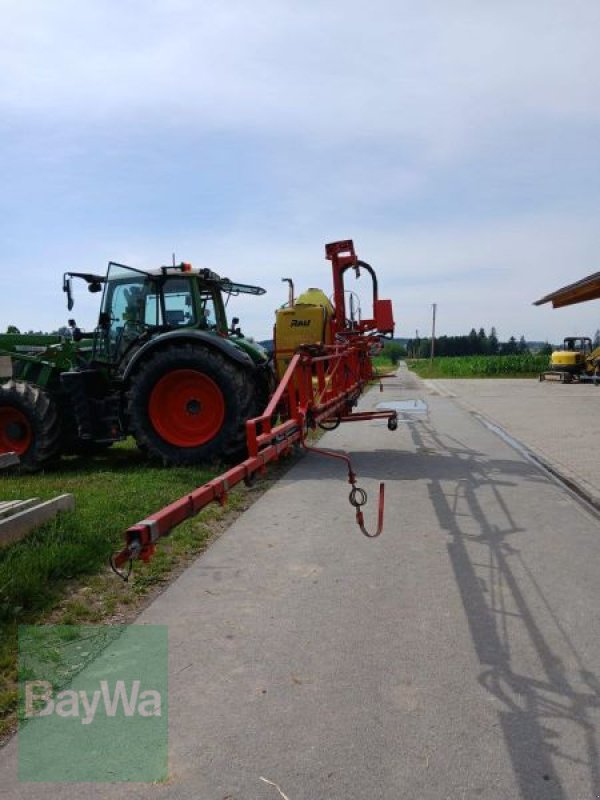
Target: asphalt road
(457,656)
(556,421)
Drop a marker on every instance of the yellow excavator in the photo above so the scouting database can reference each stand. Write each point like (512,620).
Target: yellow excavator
(578,360)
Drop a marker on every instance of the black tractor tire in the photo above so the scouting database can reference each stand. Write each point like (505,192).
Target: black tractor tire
(30,424)
(188,404)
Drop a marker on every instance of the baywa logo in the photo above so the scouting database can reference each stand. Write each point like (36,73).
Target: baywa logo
(93,703)
(41,701)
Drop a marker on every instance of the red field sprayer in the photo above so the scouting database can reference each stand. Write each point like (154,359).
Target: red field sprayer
(322,362)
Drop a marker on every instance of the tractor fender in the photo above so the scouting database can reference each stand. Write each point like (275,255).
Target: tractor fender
(192,337)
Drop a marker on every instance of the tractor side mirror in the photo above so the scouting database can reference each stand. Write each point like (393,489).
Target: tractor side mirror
(235,321)
(67,289)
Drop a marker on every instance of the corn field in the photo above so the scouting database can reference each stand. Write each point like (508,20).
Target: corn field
(480,366)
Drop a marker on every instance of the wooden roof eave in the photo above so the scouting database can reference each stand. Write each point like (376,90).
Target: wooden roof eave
(579,292)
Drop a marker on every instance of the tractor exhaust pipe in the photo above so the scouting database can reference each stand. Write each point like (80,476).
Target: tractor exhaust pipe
(291,298)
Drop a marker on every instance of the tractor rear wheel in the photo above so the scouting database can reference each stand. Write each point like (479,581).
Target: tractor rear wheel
(188,405)
(29,424)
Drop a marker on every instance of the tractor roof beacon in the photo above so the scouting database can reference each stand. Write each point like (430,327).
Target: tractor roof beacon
(163,365)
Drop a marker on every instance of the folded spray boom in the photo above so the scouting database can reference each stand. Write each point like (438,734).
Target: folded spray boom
(320,385)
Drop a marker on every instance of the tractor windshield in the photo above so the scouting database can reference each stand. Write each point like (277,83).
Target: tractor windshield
(125,310)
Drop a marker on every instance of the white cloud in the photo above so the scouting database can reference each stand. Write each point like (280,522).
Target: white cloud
(441,74)
(358,107)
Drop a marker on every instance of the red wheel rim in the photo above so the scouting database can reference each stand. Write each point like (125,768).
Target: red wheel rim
(186,408)
(15,431)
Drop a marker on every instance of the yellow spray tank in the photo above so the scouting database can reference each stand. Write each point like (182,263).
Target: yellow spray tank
(305,322)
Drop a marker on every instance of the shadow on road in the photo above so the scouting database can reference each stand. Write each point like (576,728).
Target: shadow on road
(494,593)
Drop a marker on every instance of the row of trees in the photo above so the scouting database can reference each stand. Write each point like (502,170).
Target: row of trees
(475,343)
(63,331)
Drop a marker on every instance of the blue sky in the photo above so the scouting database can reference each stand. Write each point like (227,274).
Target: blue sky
(456,143)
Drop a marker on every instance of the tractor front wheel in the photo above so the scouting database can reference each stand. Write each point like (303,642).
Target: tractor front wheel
(29,424)
(188,405)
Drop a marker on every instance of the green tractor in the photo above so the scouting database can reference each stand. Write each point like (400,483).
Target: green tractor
(162,365)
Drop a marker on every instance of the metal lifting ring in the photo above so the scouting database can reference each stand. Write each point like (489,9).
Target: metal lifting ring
(357,497)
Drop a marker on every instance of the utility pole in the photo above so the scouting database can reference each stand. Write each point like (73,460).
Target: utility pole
(434,309)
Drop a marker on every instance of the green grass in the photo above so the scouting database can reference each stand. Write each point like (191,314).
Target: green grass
(383,363)
(517,366)
(111,492)
(59,572)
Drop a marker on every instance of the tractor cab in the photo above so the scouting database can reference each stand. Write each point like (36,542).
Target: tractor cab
(137,305)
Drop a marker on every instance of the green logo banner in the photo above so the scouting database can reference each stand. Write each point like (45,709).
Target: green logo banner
(93,703)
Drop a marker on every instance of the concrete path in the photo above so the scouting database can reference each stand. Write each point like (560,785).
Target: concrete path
(457,656)
(558,422)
